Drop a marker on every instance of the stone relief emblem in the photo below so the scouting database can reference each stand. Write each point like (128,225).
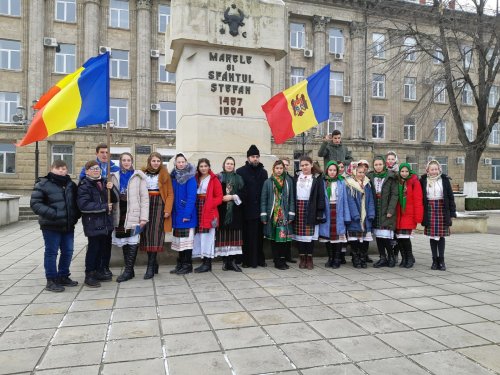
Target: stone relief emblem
(233,17)
(299,105)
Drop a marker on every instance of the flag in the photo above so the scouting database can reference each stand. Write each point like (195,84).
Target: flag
(299,107)
(79,99)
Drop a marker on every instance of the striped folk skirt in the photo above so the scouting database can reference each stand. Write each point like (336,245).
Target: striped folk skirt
(335,237)
(153,235)
(302,231)
(435,217)
(228,242)
(182,239)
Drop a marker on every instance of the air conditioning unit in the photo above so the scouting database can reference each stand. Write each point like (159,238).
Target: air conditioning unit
(347,99)
(104,49)
(50,42)
(460,160)
(155,53)
(155,107)
(487,161)
(308,53)
(338,56)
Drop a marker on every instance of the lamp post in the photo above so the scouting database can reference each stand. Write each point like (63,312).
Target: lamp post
(305,138)
(21,119)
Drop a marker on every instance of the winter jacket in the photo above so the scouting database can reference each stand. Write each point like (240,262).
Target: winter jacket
(450,210)
(184,206)
(104,168)
(414,211)
(337,152)
(167,195)
(389,198)
(210,211)
(137,200)
(237,211)
(55,204)
(354,201)
(93,203)
(343,213)
(267,201)
(316,207)
(254,178)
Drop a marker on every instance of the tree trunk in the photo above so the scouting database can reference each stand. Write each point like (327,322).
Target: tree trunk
(472,156)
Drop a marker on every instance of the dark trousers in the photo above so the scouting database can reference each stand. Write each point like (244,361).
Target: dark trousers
(279,250)
(305,248)
(97,246)
(288,251)
(253,253)
(106,253)
(53,242)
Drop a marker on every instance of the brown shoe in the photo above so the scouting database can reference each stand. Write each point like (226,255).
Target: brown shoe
(302,263)
(309,262)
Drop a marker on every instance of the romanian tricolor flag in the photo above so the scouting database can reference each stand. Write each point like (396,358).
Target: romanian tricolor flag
(79,99)
(299,107)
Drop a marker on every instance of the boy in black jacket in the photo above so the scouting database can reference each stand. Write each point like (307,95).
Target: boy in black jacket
(54,201)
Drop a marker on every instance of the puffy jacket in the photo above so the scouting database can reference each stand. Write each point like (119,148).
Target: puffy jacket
(389,201)
(55,204)
(450,210)
(414,212)
(354,201)
(93,203)
(212,201)
(342,207)
(184,204)
(137,200)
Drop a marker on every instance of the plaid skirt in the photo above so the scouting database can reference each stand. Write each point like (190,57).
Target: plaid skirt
(334,236)
(228,242)
(300,227)
(435,217)
(200,202)
(153,236)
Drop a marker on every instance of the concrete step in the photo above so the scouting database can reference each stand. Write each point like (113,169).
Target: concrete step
(28,217)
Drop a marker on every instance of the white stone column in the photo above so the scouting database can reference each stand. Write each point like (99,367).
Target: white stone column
(359,86)
(35,51)
(92,22)
(143,65)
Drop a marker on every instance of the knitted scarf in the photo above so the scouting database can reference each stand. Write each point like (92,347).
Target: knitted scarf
(402,185)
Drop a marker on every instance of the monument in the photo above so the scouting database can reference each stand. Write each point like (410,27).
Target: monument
(223,54)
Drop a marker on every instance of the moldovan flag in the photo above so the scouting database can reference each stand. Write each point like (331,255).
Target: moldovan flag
(299,107)
(79,99)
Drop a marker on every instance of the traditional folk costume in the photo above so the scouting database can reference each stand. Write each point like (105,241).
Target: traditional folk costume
(439,208)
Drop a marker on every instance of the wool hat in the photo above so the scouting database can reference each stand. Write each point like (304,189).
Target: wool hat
(253,150)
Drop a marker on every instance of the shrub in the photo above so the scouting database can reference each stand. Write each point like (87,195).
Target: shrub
(479,204)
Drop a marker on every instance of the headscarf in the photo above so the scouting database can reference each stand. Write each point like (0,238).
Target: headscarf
(354,185)
(149,168)
(402,184)
(329,179)
(125,174)
(431,180)
(234,183)
(183,175)
(394,167)
(382,174)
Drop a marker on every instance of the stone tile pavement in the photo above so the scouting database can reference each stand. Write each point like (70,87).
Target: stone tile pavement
(346,321)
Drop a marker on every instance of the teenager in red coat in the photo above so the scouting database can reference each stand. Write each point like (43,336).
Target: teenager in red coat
(208,199)
(410,211)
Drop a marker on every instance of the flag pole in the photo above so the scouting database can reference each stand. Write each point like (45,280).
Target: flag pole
(108,142)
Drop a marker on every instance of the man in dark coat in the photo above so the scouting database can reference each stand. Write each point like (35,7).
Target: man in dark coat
(254,175)
(286,162)
(54,201)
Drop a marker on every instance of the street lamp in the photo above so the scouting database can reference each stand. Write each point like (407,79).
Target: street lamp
(22,119)
(305,137)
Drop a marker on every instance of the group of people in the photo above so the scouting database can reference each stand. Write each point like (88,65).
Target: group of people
(229,214)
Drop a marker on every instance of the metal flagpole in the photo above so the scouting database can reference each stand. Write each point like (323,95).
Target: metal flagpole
(109,125)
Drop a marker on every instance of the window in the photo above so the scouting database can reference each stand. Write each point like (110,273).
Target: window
(118,13)
(10,54)
(409,49)
(119,64)
(10,7)
(8,103)
(413,161)
(467,54)
(378,127)
(336,83)
(495,135)
(494,96)
(467,97)
(409,129)
(335,41)
(440,131)
(297,35)
(7,158)
(378,47)
(66,10)
(115,152)
(118,111)
(163,17)
(495,169)
(438,56)
(166,154)
(489,57)
(443,160)
(469,130)
(336,122)
(378,86)
(296,76)
(439,92)
(166,118)
(65,59)
(65,153)
(410,88)
(163,75)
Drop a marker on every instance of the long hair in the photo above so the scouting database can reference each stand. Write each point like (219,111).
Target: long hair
(315,168)
(224,163)
(201,161)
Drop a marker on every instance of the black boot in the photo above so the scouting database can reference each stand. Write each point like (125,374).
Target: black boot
(187,263)
(382,262)
(66,281)
(403,257)
(91,280)
(129,254)
(363,255)
(103,275)
(280,264)
(342,257)
(356,261)
(205,266)
(441,265)
(179,263)
(330,255)
(391,260)
(410,259)
(434,263)
(337,250)
(150,269)
(53,286)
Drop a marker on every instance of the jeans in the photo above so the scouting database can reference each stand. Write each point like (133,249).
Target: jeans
(53,242)
(97,246)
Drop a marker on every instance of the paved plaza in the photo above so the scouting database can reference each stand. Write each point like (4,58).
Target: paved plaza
(261,321)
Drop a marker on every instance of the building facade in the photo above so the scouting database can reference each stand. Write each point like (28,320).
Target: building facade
(372,104)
